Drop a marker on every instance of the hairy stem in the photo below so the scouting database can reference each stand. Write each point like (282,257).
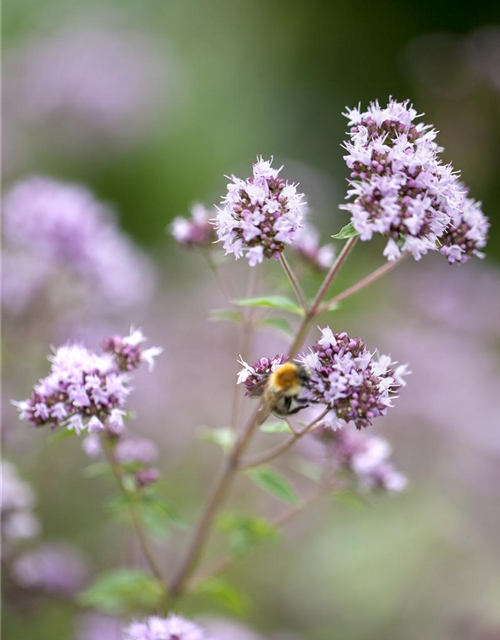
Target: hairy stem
(136,521)
(294,282)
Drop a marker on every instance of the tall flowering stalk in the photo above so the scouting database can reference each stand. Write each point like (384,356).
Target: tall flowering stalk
(400,190)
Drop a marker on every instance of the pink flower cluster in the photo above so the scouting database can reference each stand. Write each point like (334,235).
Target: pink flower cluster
(171,628)
(365,456)
(197,231)
(399,187)
(250,376)
(260,215)
(467,233)
(307,246)
(66,228)
(348,379)
(18,501)
(86,390)
(136,455)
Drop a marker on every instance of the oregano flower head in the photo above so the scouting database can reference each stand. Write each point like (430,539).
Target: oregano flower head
(259,216)
(399,187)
(86,390)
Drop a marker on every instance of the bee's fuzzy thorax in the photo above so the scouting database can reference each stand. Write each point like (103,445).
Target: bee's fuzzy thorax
(286,378)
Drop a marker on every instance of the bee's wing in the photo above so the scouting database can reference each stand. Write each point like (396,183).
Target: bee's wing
(258,388)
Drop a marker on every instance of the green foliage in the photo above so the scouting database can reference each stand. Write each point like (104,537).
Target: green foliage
(222,436)
(352,499)
(278,324)
(224,594)
(122,591)
(271,302)
(275,484)
(276,427)
(156,514)
(225,315)
(97,470)
(61,435)
(346,232)
(245,532)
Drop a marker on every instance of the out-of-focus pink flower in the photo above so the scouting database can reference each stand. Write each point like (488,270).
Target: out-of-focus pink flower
(467,233)
(52,567)
(92,84)
(93,626)
(51,227)
(363,455)
(18,501)
(171,628)
(260,215)
(307,246)
(197,231)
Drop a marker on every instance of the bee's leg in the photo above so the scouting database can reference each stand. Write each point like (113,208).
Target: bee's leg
(298,408)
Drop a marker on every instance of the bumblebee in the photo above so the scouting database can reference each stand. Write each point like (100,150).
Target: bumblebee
(280,391)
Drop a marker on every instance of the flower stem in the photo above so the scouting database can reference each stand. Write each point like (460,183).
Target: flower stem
(274,452)
(136,521)
(215,500)
(226,479)
(294,282)
(313,311)
(364,282)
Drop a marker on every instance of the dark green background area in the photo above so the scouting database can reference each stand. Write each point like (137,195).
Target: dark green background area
(273,78)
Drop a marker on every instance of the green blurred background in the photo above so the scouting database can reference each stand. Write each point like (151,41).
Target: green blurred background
(250,76)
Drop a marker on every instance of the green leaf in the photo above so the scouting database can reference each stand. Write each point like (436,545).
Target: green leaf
(97,469)
(122,591)
(246,532)
(222,436)
(310,470)
(271,481)
(61,435)
(225,594)
(272,302)
(276,427)
(346,232)
(333,306)
(279,324)
(351,499)
(225,315)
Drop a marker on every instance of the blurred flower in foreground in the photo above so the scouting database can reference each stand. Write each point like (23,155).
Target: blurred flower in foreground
(86,390)
(93,626)
(93,84)
(196,231)
(260,215)
(467,233)
(18,501)
(306,245)
(52,567)
(171,628)
(365,456)
(399,187)
(348,379)
(50,226)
